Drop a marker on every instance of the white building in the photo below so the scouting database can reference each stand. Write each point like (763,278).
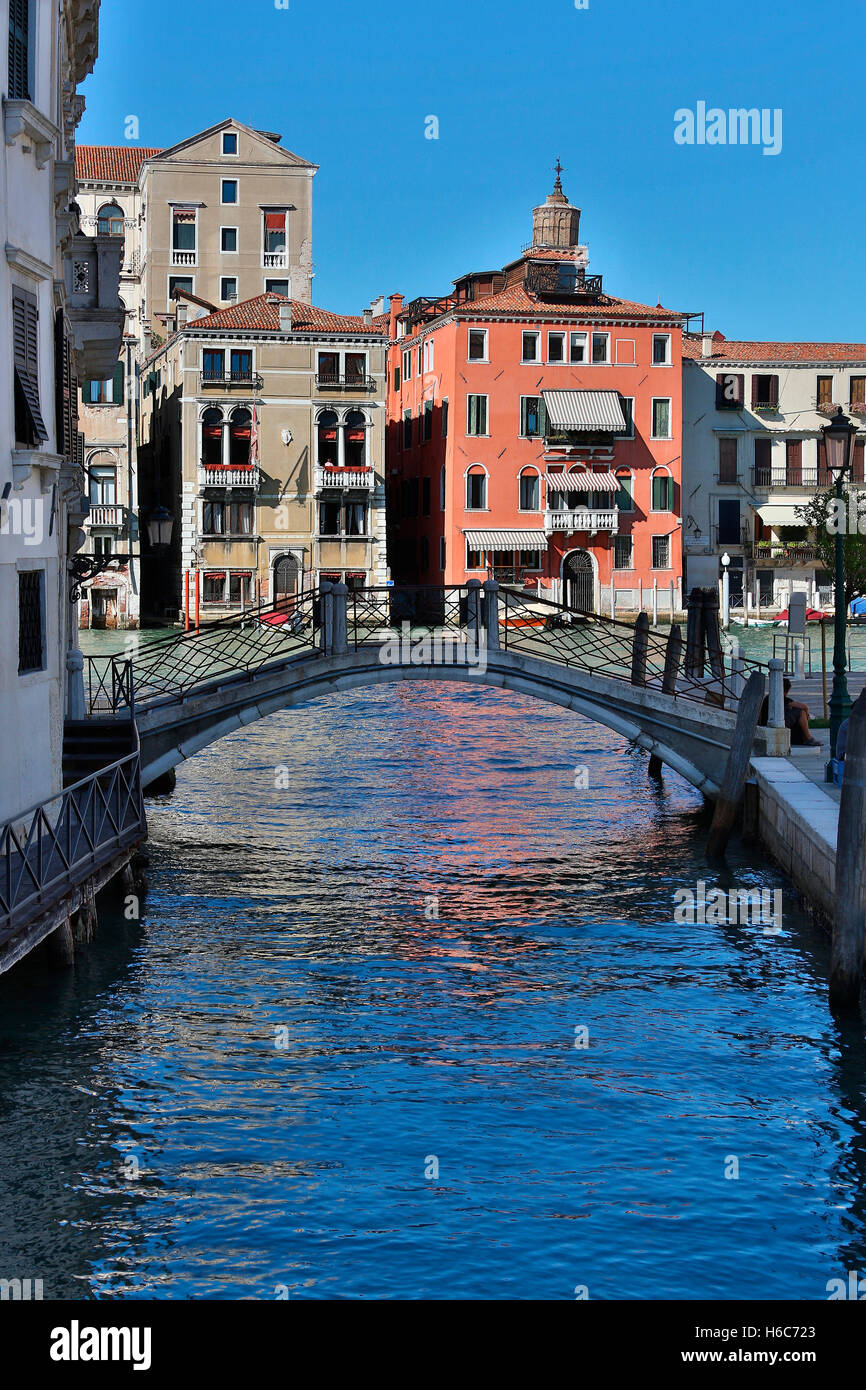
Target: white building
(61,319)
(753,452)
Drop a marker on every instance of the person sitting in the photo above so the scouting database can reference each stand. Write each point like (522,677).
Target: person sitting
(796,719)
(842,741)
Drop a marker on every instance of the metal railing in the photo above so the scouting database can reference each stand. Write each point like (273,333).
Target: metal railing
(252,380)
(352,382)
(806,476)
(108,686)
(54,847)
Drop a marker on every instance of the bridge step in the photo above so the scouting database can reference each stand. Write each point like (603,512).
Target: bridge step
(91,744)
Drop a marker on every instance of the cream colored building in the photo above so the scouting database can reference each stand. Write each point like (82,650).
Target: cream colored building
(263,429)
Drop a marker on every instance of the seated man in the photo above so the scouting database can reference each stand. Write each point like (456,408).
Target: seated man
(797,720)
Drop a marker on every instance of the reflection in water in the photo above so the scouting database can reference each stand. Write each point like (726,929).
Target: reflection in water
(387,963)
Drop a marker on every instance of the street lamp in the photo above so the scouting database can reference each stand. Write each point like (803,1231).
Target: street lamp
(839,447)
(726,591)
(160,525)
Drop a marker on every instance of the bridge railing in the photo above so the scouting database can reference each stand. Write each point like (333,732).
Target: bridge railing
(240,645)
(375,613)
(108,687)
(54,847)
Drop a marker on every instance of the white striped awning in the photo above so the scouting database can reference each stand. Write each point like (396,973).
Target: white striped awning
(585,410)
(507,540)
(585,481)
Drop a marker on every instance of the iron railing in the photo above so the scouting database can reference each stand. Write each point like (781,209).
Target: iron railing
(54,847)
(356,381)
(253,380)
(108,687)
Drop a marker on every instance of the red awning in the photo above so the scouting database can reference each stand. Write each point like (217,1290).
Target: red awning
(275,221)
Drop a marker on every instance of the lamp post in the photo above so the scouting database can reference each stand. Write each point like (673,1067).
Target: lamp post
(726,591)
(839,446)
(160,525)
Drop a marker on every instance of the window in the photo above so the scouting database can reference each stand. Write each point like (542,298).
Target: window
(476,489)
(730,390)
(212,438)
(442,552)
(31,622)
(728,461)
(240,437)
(530,559)
(533,417)
(857,390)
(29,426)
(729,523)
(474,558)
(277,287)
(328,450)
(578,347)
(407,365)
(442,487)
(661,418)
(229,240)
(396,378)
(794,462)
(180,282)
(622,552)
(661,349)
(213,364)
(183,232)
(19,50)
(428,420)
(531,347)
(230,142)
(328,368)
(476,415)
(102,484)
(624,500)
(355,518)
(329,518)
(275,234)
(108,392)
(214,587)
(478,345)
(242,364)
(627,407)
(556,347)
(228,288)
(662,492)
(356,439)
(425,496)
(407,429)
(661,552)
(103,545)
(240,586)
(765,392)
(240,517)
(445,418)
(601,347)
(229,191)
(825,390)
(109,221)
(428,354)
(214,516)
(763,461)
(420,361)
(530,490)
(356,368)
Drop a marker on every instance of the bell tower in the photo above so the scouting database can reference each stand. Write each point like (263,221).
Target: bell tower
(556,223)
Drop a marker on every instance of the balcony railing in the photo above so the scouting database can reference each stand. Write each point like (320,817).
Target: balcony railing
(353,382)
(275,260)
(779,556)
(105,515)
(808,477)
(363,478)
(184,257)
(231,475)
(582,519)
(250,380)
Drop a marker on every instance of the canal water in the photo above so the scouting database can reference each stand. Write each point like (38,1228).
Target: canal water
(407,1013)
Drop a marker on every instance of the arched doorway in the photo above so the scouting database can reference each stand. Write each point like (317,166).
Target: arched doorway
(285,582)
(578,581)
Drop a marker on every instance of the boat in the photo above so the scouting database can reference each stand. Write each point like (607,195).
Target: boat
(813,615)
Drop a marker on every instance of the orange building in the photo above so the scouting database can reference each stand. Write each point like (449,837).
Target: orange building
(535,431)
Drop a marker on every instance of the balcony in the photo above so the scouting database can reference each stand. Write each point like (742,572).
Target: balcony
(589,519)
(105,514)
(355,478)
(95,313)
(804,479)
(227,475)
(775,555)
(275,260)
(332,381)
(184,257)
(250,381)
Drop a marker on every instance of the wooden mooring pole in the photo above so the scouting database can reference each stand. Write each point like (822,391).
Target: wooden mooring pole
(673,656)
(846,968)
(640,649)
(734,780)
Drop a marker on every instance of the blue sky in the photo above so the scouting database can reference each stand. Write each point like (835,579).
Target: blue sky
(748,238)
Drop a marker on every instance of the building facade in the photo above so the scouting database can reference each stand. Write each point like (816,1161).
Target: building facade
(62,319)
(534,431)
(263,428)
(753,453)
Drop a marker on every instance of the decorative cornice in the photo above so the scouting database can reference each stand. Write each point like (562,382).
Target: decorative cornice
(30,265)
(23,119)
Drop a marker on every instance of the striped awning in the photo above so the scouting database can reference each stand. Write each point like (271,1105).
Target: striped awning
(585,410)
(506,540)
(584,481)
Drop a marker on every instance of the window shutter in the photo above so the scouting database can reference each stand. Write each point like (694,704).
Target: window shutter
(755,390)
(118,384)
(19,50)
(774,390)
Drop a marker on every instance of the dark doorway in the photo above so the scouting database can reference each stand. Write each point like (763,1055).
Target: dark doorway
(578,582)
(285,582)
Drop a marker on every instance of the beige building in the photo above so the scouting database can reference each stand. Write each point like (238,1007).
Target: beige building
(263,429)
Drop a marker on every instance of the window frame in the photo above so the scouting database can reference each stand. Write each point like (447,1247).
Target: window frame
(476,471)
(598,335)
(477,396)
(230,202)
(667,339)
(561,334)
(530,361)
(224,251)
(661,400)
(578,333)
(526,473)
(229,154)
(485,334)
(666,537)
(228,298)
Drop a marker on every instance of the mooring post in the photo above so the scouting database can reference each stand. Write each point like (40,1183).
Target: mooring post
(491,614)
(695,634)
(713,633)
(846,968)
(473,606)
(673,656)
(326,617)
(738,668)
(339,620)
(734,780)
(61,945)
(776,701)
(639,650)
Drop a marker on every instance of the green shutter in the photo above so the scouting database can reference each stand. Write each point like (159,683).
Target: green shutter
(117,393)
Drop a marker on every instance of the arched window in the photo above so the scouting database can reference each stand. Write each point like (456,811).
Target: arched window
(530,490)
(109,221)
(624,500)
(663,491)
(328,448)
(476,489)
(356,439)
(240,437)
(212,438)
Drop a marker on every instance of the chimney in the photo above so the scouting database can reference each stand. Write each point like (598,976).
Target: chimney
(706,345)
(286,316)
(181,312)
(379,305)
(368,318)
(396,310)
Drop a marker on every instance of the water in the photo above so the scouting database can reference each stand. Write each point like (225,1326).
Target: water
(406,882)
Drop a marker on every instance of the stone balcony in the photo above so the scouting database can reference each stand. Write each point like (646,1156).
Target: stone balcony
(589,519)
(106,514)
(96,315)
(224,475)
(363,479)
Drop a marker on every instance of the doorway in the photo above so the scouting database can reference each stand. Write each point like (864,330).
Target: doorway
(285,583)
(578,581)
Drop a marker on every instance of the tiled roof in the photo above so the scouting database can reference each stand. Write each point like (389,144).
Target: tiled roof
(262,314)
(110,163)
(726,350)
(515,300)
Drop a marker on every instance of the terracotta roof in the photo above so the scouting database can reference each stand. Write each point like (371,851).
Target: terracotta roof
(111,163)
(728,350)
(515,300)
(262,314)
